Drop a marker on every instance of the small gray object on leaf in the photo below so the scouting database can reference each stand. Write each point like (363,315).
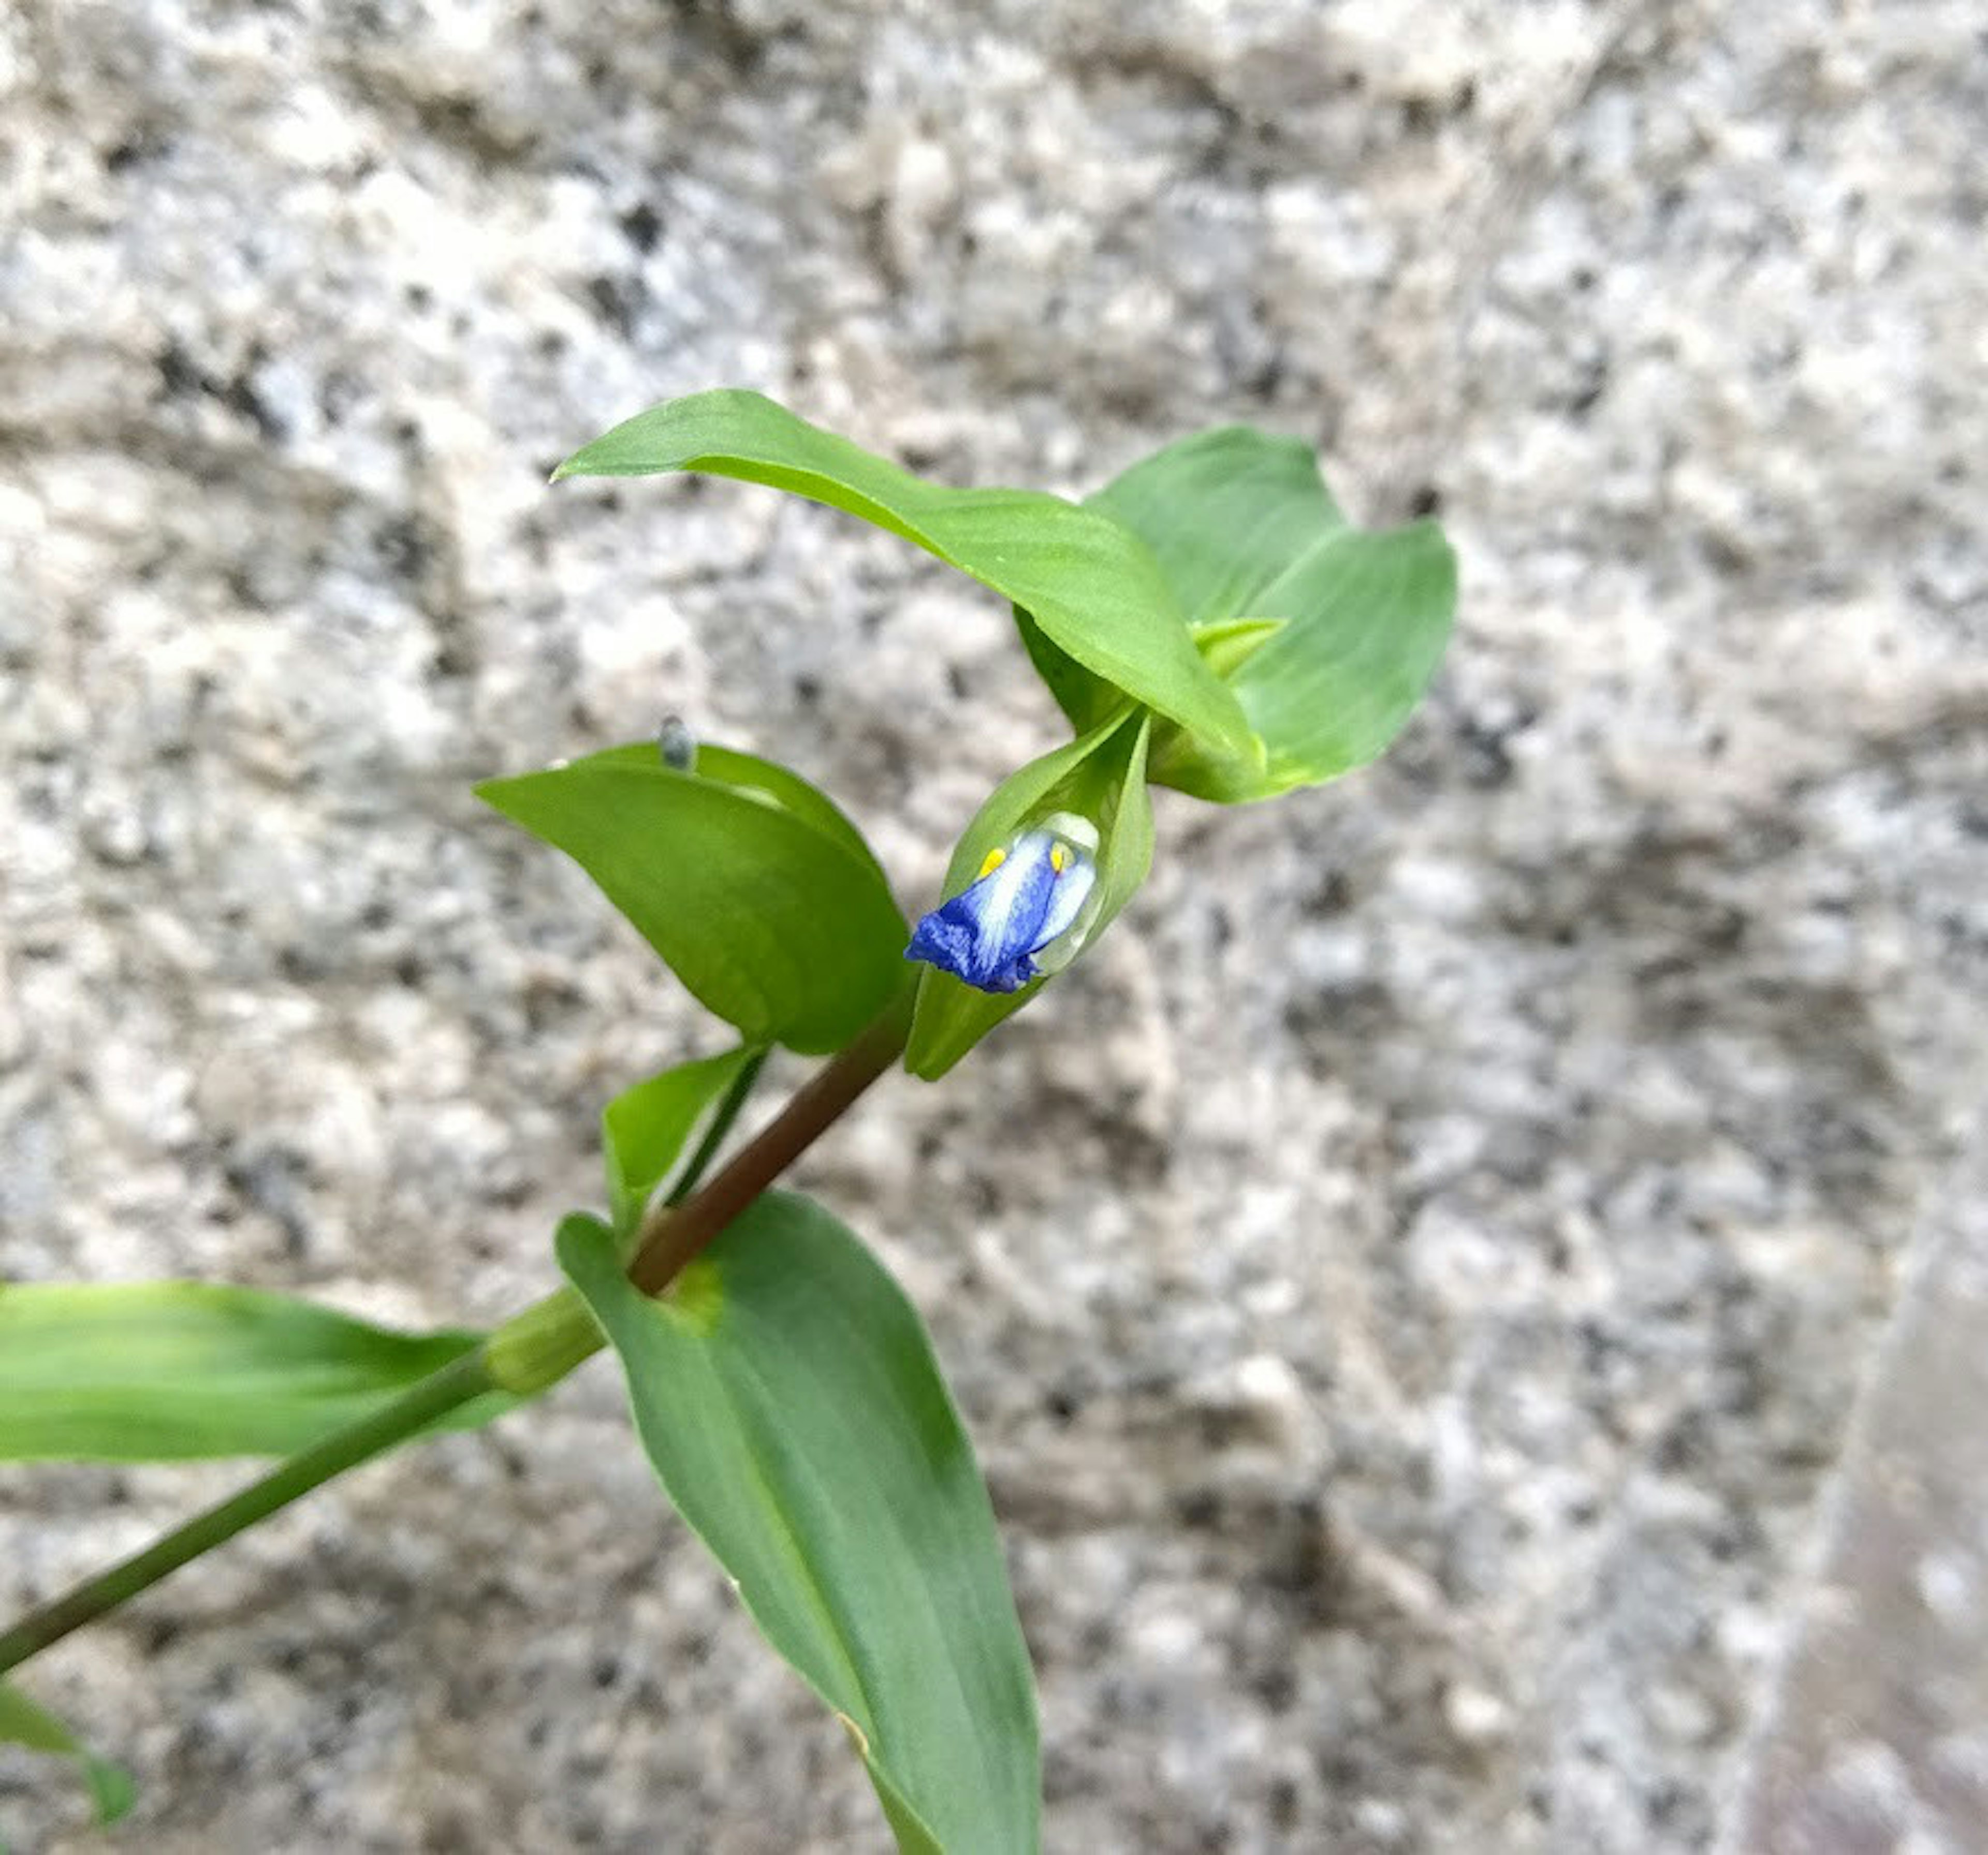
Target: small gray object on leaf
(677,744)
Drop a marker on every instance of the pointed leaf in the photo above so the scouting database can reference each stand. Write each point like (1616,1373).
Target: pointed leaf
(173,1371)
(643,1129)
(1100,777)
(28,1723)
(1096,593)
(787,1394)
(757,894)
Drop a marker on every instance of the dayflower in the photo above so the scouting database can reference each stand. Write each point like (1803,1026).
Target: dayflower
(1023,914)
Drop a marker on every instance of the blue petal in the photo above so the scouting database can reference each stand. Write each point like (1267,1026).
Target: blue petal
(986,934)
(941,941)
(1074,884)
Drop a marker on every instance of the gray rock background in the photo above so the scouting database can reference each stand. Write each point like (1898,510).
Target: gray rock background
(1411,1287)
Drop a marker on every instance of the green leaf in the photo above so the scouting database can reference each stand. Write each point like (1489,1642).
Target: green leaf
(28,1723)
(173,1371)
(1096,593)
(768,780)
(1369,615)
(787,1395)
(1327,634)
(755,891)
(1225,512)
(1100,777)
(643,1129)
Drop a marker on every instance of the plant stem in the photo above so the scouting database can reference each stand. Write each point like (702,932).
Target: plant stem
(527,1353)
(532,1351)
(721,1125)
(435,1396)
(671,1236)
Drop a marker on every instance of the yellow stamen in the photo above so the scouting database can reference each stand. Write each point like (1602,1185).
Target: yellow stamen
(995,858)
(1058,857)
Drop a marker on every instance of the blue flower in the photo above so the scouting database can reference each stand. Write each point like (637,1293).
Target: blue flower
(1021,918)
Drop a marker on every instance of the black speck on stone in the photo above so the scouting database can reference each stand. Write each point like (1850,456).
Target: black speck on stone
(179,376)
(1197,1507)
(616,302)
(404,547)
(239,396)
(642,226)
(127,154)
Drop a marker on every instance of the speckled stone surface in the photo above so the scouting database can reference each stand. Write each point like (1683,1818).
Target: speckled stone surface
(1410,1285)
(1875,1736)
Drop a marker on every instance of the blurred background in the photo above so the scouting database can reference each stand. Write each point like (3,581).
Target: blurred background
(1473,1302)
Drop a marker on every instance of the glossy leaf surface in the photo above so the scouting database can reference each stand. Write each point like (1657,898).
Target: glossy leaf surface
(759,895)
(173,1371)
(786,1393)
(1094,590)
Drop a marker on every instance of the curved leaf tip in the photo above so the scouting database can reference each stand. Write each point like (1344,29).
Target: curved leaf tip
(1088,581)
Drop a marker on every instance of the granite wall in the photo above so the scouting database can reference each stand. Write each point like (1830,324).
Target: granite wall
(1411,1287)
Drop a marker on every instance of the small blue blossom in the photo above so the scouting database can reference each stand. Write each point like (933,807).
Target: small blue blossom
(1021,916)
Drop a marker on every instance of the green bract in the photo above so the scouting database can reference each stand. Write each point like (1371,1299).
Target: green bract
(1100,778)
(1327,633)
(786,1393)
(757,892)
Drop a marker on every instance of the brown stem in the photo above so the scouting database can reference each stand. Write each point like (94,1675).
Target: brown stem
(530,1353)
(672,1235)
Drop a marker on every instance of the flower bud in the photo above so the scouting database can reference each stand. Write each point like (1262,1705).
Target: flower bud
(1023,916)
